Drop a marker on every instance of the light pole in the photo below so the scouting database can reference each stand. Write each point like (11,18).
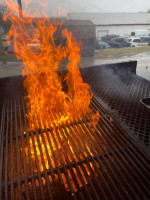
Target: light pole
(20,4)
(20,8)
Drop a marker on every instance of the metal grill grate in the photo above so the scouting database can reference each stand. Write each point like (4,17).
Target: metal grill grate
(69,161)
(120,96)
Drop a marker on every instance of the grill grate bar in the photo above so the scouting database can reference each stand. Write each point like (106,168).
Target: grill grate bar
(11,153)
(23,152)
(38,167)
(17,155)
(29,152)
(43,163)
(1,144)
(6,155)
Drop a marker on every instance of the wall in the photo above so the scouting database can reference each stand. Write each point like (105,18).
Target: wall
(119,30)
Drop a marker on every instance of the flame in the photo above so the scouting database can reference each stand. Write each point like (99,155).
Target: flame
(48,103)
(45,94)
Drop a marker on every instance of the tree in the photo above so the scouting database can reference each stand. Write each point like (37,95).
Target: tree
(4,26)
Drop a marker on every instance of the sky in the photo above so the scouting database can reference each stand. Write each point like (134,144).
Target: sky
(101,5)
(95,6)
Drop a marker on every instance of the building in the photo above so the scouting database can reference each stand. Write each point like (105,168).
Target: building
(82,30)
(115,23)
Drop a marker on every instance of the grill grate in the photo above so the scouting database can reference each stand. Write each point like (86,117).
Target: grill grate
(120,96)
(69,161)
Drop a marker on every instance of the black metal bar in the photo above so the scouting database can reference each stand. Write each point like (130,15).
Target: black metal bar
(29,153)
(6,153)
(11,152)
(43,163)
(38,168)
(17,156)
(23,151)
(1,145)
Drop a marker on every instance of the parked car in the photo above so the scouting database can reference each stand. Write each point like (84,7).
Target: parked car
(134,42)
(118,43)
(10,50)
(107,38)
(101,45)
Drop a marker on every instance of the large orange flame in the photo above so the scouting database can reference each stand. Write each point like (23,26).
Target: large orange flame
(47,101)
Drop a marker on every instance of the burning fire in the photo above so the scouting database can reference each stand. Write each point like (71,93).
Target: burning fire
(45,95)
(48,103)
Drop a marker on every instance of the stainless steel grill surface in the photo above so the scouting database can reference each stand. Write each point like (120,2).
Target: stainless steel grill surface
(69,161)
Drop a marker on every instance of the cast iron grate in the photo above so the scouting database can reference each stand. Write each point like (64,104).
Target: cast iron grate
(121,96)
(69,161)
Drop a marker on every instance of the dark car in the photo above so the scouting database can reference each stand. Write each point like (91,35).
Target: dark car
(101,45)
(107,38)
(119,43)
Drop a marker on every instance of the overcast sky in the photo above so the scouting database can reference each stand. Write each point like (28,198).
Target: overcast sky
(96,5)
(100,5)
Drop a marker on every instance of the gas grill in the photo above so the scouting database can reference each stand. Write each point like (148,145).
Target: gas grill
(72,160)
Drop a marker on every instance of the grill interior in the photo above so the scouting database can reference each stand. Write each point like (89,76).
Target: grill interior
(69,161)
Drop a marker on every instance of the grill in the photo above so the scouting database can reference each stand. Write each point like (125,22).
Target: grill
(81,163)
(72,160)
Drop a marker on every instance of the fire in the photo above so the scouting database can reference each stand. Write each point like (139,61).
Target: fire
(45,94)
(48,103)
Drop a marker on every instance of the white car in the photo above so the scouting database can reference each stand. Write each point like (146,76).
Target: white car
(135,42)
